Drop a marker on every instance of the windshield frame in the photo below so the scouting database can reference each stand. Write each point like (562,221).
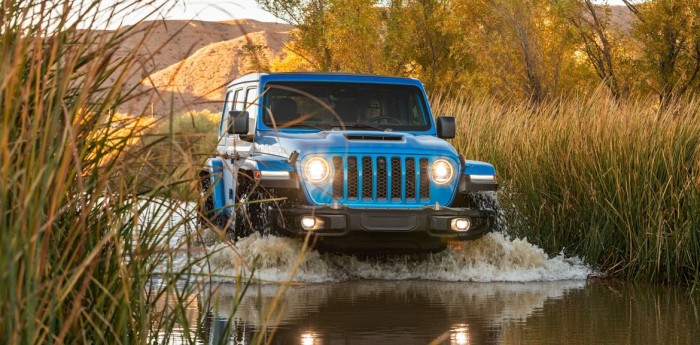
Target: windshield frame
(412,89)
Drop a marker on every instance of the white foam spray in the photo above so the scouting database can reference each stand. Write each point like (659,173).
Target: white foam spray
(494,257)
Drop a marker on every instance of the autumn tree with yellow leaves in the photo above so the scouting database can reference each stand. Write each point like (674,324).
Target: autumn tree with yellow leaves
(529,49)
(669,33)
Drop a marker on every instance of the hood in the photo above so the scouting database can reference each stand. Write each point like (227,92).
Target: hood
(340,142)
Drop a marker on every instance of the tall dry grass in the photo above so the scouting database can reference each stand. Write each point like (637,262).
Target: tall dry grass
(615,183)
(177,147)
(84,259)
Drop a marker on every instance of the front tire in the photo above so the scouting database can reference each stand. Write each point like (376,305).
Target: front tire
(252,211)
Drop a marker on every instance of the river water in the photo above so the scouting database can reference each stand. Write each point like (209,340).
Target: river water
(496,290)
(425,312)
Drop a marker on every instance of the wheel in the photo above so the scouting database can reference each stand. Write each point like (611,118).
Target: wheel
(252,211)
(207,217)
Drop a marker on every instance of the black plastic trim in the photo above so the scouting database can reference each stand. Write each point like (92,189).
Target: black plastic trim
(385,220)
(378,231)
(465,185)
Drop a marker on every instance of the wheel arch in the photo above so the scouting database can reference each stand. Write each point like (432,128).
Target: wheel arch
(211,181)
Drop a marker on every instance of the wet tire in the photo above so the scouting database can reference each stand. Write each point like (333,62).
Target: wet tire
(252,211)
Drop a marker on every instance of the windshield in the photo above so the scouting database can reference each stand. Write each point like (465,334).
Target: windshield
(325,105)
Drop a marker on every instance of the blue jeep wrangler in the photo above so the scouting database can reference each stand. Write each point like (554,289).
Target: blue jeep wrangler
(355,161)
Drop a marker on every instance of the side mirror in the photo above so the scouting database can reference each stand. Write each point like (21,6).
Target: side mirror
(237,122)
(446,127)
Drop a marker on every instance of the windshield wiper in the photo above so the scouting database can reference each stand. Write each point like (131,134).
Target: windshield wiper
(306,125)
(364,126)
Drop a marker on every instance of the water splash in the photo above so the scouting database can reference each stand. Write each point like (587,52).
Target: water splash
(494,257)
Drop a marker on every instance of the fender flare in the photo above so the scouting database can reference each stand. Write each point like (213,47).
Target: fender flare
(213,169)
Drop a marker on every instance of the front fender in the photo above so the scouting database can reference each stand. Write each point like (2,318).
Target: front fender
(214,170)
(477,176)
(271,171)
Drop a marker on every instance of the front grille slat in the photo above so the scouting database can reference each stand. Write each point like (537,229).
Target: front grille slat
(367,178)
(396,186)
(424,180)
(381,178)
(410,179)
(353,179)
(338,178)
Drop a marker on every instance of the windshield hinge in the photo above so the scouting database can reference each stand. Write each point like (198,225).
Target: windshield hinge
(293,158)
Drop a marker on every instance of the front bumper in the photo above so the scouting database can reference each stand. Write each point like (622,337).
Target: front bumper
(375,231)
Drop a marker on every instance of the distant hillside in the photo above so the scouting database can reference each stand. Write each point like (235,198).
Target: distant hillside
(622,18)
(185,60)
(198,81)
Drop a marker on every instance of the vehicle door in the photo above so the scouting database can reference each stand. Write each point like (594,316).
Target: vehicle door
(242,98)
(230,146)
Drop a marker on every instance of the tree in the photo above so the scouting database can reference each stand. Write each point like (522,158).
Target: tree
(502,47)
(520,47)
(353,34)
(309,16)
(669,30)
(592,24)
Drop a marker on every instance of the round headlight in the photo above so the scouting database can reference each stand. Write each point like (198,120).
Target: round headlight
(317,170)
(442,172)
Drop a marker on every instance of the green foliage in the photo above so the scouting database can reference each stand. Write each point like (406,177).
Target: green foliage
(615,183)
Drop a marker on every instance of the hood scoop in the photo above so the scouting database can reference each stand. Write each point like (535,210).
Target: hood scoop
(374,137)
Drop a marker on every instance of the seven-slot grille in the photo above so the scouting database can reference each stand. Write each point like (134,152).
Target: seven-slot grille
(380,178)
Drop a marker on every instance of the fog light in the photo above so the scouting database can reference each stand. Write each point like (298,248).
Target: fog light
(461,224)
(308,222)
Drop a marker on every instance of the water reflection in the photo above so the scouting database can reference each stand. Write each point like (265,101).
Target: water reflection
(459,335)
(376,312)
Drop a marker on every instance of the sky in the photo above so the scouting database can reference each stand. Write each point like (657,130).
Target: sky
(220,10)
(194,9)
(210,10)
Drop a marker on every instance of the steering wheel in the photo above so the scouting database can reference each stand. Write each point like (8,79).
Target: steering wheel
(388,119)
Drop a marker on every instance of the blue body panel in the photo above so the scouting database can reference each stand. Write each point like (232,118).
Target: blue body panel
(282,143)
(217,167)
(335,143)
(478,168)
